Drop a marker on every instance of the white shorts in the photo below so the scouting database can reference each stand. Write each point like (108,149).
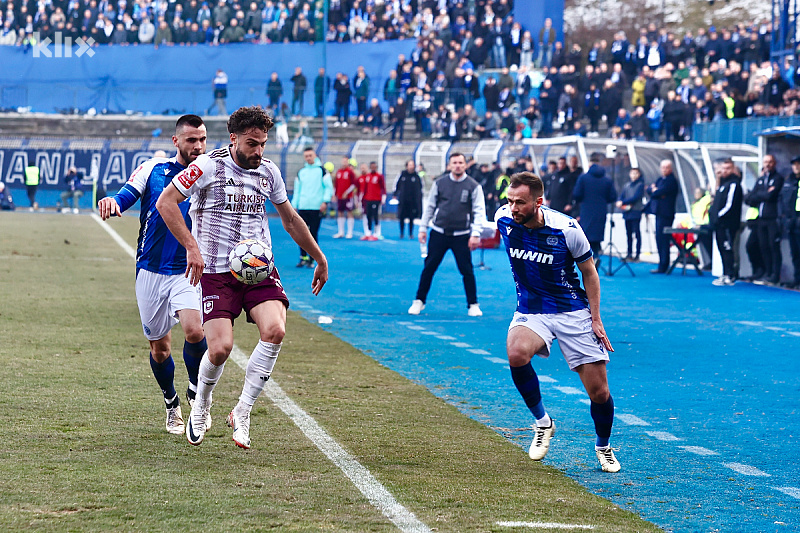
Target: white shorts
(160,297)
(574,332)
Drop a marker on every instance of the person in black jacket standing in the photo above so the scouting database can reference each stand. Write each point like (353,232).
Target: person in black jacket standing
(408,192)
(764,197)
(725,216)
(455,211)
(663,194)
(789,212)
(631,202)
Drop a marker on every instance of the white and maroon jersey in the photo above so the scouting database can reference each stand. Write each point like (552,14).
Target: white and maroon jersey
(228,203)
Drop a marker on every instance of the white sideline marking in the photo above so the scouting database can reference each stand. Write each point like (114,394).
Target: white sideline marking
(547,379)
(461,345)
(794,492)
(699,450)
(631,420)
(663,435)
(746,470)
(544,525)
(114,235)
(364,481)
(370,487)
(445,338)
(569,390)
(416,328)
(586,401)
(496,360)
(428,333)
(478,351)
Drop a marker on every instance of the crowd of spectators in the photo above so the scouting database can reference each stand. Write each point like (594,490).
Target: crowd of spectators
(168,22)
(653,85)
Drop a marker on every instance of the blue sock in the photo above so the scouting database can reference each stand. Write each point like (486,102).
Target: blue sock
(527,383)
(603,416)
(192,355)
(165,376)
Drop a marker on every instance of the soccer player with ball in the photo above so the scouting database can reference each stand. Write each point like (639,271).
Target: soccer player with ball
(163,293)
(229,188)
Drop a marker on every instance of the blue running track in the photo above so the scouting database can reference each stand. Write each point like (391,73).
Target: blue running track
(705,379)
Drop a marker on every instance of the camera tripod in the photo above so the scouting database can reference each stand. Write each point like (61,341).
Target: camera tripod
(610,249)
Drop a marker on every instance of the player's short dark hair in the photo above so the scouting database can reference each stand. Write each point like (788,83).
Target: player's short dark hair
(247,118)
(596,157)
(530,179)
(192,121)
(308,149)
(457,154)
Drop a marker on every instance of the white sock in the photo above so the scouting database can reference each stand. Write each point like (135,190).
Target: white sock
(340,223)
(366,226)
(207,377)
(350,223)
(259,369)
(377,230)
(544,422)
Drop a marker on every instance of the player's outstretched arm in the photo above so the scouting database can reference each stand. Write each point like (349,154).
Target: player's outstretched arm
(170,212)
(299,232)
(591,283)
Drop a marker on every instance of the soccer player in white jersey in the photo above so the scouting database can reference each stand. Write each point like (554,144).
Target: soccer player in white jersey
(229,188)
(163,293)
(544,246)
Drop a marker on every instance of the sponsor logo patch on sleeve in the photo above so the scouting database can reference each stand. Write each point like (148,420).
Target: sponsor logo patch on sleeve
(188,177)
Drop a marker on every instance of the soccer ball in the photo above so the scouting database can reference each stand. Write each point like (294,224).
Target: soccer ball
(251,261)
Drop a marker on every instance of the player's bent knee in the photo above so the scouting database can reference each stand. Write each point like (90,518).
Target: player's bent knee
(194,335)
(599,394)
(274,334)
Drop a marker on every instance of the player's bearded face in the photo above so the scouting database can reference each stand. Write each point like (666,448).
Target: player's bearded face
(524,207)
(191,143)
(249,147)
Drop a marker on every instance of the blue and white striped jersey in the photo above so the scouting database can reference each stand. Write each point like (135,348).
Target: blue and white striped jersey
(543,262)
(157,250)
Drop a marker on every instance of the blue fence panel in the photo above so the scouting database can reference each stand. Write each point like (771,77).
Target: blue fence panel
(740,131)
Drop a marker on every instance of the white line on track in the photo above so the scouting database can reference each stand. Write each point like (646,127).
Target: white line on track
(547,379)
(364,481)
(794,492)
(544,525)
(663,435)
(569,390)
(698,450)
(631,420)
(461,345)
(745,470)
(478,351)
(445,338)
(497,360)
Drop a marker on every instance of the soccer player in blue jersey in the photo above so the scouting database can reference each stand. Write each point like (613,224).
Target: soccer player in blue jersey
(164,295)
(544,246)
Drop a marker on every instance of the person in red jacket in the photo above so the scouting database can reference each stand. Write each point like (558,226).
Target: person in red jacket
(372,188)
(345,188)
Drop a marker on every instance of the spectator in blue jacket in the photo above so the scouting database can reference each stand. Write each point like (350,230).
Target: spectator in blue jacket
(594,191)
(631,202)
